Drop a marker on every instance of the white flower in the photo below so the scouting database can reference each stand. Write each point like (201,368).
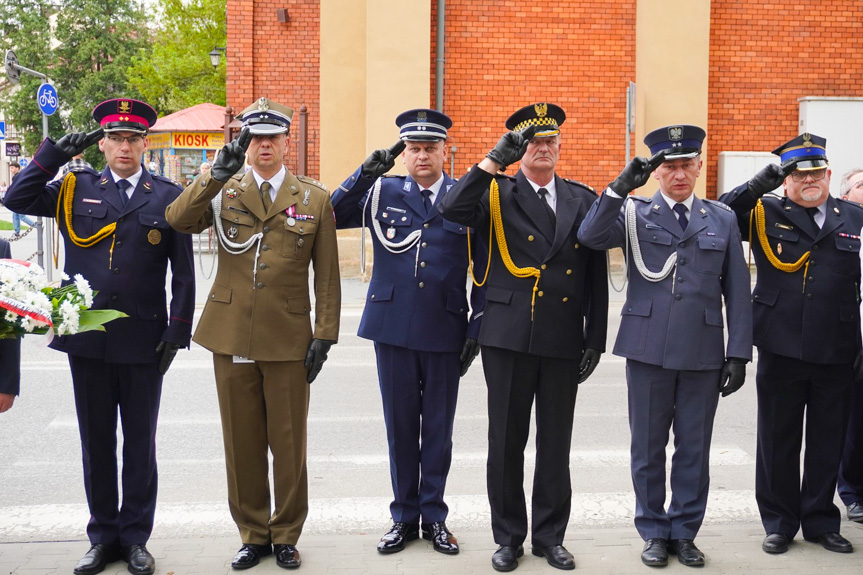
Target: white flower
(83,287)
(70,314)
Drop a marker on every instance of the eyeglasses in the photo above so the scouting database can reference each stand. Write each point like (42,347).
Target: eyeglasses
(800,176)
(133,140)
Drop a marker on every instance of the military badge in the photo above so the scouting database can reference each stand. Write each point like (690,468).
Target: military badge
(391,233)
(385,215)
(154,237)
(675,133)
(807,140)
(541,110)
(407,186)
(146,185)
(231,193)
(306,197)
(301,242)
(291,221)
(233,232)
(779,249)
(263,106)
(124,107)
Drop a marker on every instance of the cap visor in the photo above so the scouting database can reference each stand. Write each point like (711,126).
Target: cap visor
(807,165)
(266,129)
(680,156)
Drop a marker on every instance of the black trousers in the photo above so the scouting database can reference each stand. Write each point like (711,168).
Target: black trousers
(514,380)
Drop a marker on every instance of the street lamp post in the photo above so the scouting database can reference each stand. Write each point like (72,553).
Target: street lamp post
(216,55)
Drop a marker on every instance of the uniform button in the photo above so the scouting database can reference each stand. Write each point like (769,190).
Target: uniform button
(114,297)
(654,237)
(266,229)
(426,226)
(422,264)
(568,272)
(755,297)
(683,244)
(236,220)
(542,266)
(540,294)
(577,246)
(809,296)
(530,238)
(461,310)
(118,244)
(263,266)
(422,285)
(155,223)
(566,299)
(678,296)
(155,316)
(681,261)
(265,247)
(810,279)
(89,211)
(680,279)
(714,244)
(815,247)
(259,285)
(424,244)
(373,296)
(116,270)
(122,219)
(301,242)
(212,296)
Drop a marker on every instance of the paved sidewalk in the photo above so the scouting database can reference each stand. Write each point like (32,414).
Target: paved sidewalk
(729,549)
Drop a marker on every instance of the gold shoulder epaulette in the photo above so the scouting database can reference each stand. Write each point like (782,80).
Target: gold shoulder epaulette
(312,181)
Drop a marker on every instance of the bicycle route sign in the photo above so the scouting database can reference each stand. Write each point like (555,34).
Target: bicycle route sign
(47,98)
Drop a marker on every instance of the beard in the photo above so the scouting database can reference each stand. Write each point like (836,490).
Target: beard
(812,194)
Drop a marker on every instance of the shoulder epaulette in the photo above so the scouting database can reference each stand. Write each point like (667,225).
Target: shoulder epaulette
(575,183)
(718,204)
(850,203)
(645,199)
(505,176)
(85,169)
(772,196)
(391,176)
(167,180)
(312,181)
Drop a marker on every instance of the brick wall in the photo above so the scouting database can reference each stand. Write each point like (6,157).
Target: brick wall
(764,56)
(504,55)
(277,60)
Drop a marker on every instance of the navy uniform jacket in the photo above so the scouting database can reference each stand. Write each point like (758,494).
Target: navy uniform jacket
(677,323)
(416,302)
(132,279)
(821,323)
(571,306)
(10,349)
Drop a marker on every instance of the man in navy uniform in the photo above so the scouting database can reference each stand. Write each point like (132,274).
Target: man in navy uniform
(116,236)
(687,257)
(10,357)
(417,314)
(543,329)
(807,330)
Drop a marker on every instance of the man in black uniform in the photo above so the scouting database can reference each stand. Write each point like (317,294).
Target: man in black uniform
(10,357)
(806,327)
(116,236)
(544,326)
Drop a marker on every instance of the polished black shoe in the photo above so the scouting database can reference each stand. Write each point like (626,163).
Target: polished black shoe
(250,555)
(686,551)
(287,556)
(833,542)
(442,540)
(399,534)
(139,559)
(95,560)
(775,543)
(506,557)
(855,512)
(556,555)
(655,553)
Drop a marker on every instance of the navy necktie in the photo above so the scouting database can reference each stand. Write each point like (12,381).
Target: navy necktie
(426,194)
(680,210)
(123,185)
(543,196)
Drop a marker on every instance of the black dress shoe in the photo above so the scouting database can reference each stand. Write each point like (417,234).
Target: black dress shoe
(855,512)
(287,556)
(833,542)
(442,540)
(400,533)
(655,553)
(556,555)
(686,551)
(95,560)
(506,557)
(775,543)
(139,559)
(250,555)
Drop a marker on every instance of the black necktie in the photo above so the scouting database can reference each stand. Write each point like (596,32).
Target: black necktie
(426,194)
(812,212)
(122,185)
(543,196)
(680,210)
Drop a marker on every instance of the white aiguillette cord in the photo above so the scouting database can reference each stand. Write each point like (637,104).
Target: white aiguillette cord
(631,225)
(410,241)
(235,248)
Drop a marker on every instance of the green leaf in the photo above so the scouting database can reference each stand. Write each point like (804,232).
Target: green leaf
(95,319)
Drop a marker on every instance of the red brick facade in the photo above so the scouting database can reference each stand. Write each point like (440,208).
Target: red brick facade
(279,60)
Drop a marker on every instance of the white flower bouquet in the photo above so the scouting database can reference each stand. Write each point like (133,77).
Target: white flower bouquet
(28,304)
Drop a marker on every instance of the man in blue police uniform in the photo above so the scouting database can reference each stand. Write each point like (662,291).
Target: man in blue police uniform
(10,357)
(543,329)
(687,257)
(116,236)
(417,314)
(807,330)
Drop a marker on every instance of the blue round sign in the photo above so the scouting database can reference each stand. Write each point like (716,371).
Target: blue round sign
(23,162)
(47,98)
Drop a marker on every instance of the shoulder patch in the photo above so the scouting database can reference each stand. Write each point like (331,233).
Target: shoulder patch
(312,181)
(716,203)
(575,183)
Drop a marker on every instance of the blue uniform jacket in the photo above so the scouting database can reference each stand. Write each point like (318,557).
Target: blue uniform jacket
(10,349)
(132,278)
(414,301)
(821,323)
(677,323)
(571,306)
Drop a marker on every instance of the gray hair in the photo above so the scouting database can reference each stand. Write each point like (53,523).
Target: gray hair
(844,186)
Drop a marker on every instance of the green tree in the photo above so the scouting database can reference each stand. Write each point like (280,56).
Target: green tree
(177,72)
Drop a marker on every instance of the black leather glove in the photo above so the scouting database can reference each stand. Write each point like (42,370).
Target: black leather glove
(75,143)
(167,351)
(589,361)
(232,157)
(769,178)
(732,376)
(382,161)
(468,354)
(316,356)
(511,147)
(636,173)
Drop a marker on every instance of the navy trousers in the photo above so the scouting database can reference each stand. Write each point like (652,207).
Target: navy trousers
(102,390)
(419,390)
(788,388)
(661,400)
(850,486)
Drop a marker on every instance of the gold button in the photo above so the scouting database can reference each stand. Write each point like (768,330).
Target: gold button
(539,294)
(530,238)
(422,264)
(426,226)
(422,285)
(566,299)
(576,246)
(568,272)
(542,266)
